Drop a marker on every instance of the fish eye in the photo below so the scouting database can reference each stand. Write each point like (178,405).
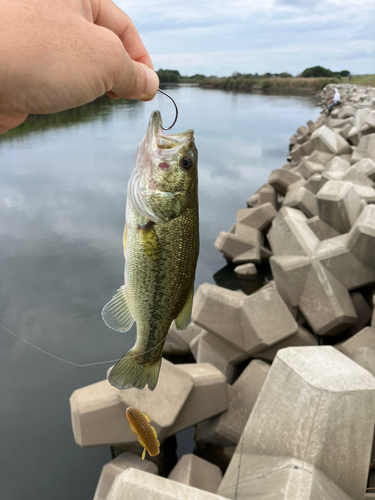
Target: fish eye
(186,162)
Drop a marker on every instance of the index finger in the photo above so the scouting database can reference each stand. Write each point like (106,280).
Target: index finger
(108,15)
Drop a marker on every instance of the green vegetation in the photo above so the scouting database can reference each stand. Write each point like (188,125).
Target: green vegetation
(271,85)
(319,71)
(174,76)
(361,80)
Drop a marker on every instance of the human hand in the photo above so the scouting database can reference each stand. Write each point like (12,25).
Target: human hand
(62,54)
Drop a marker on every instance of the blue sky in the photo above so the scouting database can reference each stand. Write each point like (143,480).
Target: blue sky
(220,37)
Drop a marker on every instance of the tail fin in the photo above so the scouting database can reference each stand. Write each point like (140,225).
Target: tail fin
(130,372)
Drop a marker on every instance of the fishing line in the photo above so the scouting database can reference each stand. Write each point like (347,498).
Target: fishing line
(71,362)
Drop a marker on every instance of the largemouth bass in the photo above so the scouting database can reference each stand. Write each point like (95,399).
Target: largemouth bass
(161,245)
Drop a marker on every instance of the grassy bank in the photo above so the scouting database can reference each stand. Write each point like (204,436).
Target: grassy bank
(361,80)
(270,85)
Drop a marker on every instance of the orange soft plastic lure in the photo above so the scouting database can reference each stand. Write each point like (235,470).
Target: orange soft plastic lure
(139,423)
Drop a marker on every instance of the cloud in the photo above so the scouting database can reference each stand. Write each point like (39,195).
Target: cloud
(262,35)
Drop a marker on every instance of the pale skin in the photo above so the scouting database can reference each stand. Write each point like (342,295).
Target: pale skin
(59,54)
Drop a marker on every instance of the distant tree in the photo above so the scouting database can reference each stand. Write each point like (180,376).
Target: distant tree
(285,75)
(236,74)
(168,75)
(316,71)
(345,72)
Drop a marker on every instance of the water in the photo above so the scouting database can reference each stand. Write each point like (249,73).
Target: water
(62,199)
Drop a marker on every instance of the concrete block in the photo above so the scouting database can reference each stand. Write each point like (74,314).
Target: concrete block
(365,357)
(133,484)
(366,193)
(281,478)
(307,148)
(323,399)
(209,348)
(363,311)
(233,246)
(280,179)
(324,139)
(339,205)
(321,157)
(175,344)
(344,131)
(335,256)
(322,230)
(364,338)
(302,338)
(257,217)
(370,120)
(367,167)
(252,201)
(366,147)
(194,471)
(302,199)
(296,153)
(325,302)
(226,429)
(208,397)
(346,111)
(361,239)
(337,164)
(356,177)
(290,235)
(267,194)
(217,309)
(360,117)
(113,468)
(315,182)
(290,274)
(246,271)
(244,321)
(260,329)
(98,411)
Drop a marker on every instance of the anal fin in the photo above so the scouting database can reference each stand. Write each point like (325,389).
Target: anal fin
(117,314)
(183,318)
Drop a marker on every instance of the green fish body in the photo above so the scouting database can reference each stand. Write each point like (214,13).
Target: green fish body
(161,244)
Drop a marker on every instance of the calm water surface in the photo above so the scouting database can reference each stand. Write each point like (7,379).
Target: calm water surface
(62,200)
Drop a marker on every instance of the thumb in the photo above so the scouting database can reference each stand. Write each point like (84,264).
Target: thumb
(134,80)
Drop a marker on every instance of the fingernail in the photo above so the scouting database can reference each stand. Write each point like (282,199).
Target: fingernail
(151,85)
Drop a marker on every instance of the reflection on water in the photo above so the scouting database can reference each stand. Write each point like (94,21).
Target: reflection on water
(62,198)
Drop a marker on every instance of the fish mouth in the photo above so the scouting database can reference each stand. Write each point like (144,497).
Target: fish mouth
(165,141)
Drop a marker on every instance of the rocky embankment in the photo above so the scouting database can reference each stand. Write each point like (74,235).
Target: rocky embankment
(282,394)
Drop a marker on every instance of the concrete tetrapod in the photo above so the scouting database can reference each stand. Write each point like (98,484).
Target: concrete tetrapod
(196,472)
(325,419)
(99,410)
(134,484)
(113,468)
(316,275)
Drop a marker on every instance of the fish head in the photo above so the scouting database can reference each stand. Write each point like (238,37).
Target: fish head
(165,178)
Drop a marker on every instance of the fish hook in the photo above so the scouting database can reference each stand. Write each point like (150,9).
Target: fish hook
(176,108)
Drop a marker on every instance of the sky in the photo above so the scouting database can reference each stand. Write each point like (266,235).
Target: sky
(217,37)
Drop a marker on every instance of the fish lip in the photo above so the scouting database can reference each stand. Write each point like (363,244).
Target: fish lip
(154,125)
(155,133)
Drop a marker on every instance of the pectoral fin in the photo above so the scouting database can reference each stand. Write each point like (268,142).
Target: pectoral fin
(151,244)
(117,314)
(183,318)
